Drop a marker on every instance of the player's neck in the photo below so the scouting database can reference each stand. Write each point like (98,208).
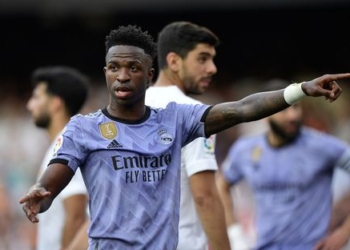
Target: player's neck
(134,112)
(275,140)
(168,78)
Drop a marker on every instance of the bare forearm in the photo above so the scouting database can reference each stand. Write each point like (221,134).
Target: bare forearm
(228,208)
(70,229)
(340,212)
(209,208)
(75,215)
(224,189)
(251,108)
(45,204)
(80,241)
(56,178)
(346,225)
(212,216)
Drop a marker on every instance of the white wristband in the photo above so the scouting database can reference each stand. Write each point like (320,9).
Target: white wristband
(293,93)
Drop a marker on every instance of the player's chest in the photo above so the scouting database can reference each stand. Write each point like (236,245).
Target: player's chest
(291,167)
(140,138)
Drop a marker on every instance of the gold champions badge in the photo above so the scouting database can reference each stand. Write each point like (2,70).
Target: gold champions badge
(108,130)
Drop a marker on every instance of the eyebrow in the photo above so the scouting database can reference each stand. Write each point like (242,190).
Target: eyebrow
(206,54)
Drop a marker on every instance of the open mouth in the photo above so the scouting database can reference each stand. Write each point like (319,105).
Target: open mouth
(123,92)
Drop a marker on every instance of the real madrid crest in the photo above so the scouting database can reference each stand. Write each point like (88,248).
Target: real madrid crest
(164,137)
(108,130)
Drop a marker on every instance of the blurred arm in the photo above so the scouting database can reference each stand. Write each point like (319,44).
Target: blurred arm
(340,212)
(340,234)
(75,207)
(80,241)
(209,208)
(225,194)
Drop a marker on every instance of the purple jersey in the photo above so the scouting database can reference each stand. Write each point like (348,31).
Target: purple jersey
(132,173)
(291,185)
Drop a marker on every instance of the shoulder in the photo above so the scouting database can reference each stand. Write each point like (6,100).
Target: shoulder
(171,107)
(177,106)
(319,140)
(317,136)
(87,117)
(91,115)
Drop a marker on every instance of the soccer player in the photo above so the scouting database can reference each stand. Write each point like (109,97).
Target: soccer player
(129,154)
(289,169)
(186,54)
(59,93)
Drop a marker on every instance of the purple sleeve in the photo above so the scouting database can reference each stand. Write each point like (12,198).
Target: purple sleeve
(190,118)
(70,147)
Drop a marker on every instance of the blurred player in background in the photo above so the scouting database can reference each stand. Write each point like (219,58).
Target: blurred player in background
(289,169)
(59,93)
(186,54)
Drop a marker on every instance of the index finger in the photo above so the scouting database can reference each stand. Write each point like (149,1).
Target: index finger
(24,199)
(339,76)
(30,195)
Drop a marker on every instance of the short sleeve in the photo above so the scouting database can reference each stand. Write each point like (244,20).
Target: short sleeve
(189,117)
(199,155)
(70,146)
(344,160)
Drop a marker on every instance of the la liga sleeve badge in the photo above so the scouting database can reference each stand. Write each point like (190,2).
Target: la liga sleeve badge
(58,145)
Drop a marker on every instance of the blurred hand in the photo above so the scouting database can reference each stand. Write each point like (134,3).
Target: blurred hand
(325,85)
(335,241)
(32,201)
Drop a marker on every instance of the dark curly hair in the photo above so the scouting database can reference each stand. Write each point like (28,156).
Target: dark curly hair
(134,36)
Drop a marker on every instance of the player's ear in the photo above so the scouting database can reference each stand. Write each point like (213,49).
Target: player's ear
(173,61)
(56,103)
(150,75)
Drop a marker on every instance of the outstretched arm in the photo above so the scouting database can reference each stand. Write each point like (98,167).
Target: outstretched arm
(260,105)
(40,195)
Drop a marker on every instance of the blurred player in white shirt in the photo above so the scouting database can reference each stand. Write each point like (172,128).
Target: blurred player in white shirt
(59,93)
(185,59)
